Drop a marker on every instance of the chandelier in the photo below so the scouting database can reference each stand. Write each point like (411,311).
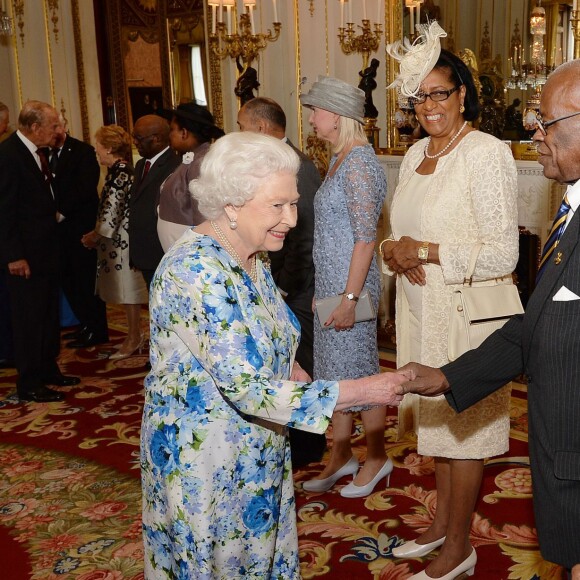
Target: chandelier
(6,27)
(534,73)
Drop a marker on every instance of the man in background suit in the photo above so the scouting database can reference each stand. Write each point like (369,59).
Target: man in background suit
(151,137)
(6,347)
(29,252)
(544,343)
(292,266)
(76,174)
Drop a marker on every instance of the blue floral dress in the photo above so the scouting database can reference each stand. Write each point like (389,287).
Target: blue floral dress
(218,498)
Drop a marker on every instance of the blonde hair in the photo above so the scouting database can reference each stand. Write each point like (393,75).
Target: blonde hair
(349,131)
(116,139)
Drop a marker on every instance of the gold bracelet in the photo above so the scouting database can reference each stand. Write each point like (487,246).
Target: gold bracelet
(383,243)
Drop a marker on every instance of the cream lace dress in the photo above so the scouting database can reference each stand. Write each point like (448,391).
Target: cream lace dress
(471,197)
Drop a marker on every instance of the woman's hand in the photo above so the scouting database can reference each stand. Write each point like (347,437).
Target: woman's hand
(299,375)
(404,255)
(387,249)
(343,315)
(416,276)
(90,240)
(378,389)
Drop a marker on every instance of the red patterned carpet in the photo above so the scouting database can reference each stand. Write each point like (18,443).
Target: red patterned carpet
(70,494)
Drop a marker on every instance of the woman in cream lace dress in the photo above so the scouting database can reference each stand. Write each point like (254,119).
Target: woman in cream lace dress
(457,188)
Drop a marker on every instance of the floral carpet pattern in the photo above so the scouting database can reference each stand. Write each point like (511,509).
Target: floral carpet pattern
(70,492)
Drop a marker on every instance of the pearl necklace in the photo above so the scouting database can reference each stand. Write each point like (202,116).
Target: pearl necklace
(446,146)
(253,272)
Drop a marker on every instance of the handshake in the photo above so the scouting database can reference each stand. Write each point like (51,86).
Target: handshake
(389,388)
(412,378)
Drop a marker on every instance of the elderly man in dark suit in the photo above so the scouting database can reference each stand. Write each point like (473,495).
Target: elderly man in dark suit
(76,174)
(29,252)
(151,137)
(544,343)
(292,266)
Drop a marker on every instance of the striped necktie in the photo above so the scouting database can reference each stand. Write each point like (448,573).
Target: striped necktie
(554,237)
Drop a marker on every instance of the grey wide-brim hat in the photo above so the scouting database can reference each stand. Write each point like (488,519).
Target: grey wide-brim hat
(337,97)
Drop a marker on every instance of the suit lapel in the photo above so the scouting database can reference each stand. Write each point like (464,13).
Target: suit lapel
(30,163)
(139,181)
(549,280)
(64,156)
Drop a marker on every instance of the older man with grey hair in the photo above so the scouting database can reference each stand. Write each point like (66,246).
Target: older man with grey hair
(543,343)
(29,252)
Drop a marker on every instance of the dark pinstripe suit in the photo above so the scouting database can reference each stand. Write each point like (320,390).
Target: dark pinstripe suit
(544,343)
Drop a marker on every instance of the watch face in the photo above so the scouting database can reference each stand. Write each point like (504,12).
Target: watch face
(423,253)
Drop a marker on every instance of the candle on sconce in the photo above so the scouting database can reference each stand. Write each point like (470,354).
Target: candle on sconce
(411,20)
(364,9)
(214,6)
(275,11)
(418,13)
(229,17)
(378,11)
(350,10)
(229,4)
(341,13)
(251,4)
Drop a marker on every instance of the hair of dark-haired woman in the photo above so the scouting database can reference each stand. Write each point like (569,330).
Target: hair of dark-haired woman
(203,133)
(459,74)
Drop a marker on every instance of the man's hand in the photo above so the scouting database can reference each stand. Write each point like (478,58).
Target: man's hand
(19,268)
(422,380)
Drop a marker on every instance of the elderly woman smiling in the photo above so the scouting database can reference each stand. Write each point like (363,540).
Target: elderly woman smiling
(224,386)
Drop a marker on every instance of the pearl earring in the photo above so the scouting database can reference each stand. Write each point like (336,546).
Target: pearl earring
(233,224)
(335,127)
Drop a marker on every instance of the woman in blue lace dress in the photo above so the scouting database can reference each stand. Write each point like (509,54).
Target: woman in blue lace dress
(347,208)
(218,498)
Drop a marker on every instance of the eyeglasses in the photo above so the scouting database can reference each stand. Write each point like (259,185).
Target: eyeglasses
(543,125)
(142,138)
(435,96)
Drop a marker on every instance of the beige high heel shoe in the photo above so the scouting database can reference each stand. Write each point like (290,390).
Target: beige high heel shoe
(121,354)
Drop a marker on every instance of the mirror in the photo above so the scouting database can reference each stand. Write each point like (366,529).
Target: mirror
(157,57)
(495,37)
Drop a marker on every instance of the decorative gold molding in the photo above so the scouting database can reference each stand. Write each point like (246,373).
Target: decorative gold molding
(319,151)
(54,9)
(298,71)
(215,79)
(393,31)
(76,22)
(18,9)
(17,67)
(49,55)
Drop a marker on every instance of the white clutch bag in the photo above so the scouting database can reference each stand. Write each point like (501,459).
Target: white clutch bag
(364,308)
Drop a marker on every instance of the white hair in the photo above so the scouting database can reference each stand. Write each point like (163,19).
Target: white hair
(235,167)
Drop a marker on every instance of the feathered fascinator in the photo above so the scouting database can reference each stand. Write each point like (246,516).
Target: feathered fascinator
(418,59)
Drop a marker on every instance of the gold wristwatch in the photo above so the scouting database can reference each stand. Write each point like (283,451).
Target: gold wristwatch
(423,252)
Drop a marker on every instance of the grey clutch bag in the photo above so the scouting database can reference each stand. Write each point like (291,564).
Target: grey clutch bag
(364,308)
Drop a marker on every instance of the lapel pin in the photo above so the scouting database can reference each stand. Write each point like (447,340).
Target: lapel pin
(558,258)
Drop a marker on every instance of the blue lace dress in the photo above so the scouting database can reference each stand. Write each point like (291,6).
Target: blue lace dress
(346,210)
(218,495)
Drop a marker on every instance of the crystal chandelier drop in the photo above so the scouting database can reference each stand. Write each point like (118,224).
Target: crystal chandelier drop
(6,27)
